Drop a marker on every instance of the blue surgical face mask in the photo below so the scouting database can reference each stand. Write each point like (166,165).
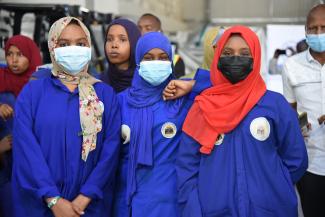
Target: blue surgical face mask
(72,59)
(155,72)
(316,42)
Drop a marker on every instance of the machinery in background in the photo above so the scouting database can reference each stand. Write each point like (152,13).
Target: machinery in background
(44,15)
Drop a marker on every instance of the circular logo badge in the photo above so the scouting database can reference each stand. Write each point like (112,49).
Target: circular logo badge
(260,128)
(220,139)
(168,130)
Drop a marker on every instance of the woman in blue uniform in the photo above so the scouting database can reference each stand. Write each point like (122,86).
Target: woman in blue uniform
(242,149)
(66,133)
(151,131)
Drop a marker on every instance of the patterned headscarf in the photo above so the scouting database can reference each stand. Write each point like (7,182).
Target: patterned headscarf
(90,108)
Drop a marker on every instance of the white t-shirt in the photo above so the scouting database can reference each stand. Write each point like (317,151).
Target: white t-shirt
(304,83)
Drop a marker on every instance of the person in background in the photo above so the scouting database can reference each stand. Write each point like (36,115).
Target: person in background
(146,185)
(66,134)
(22,57)
(301,46)
(179,65)
(201,80)
(275,68)
(151,23)
(121,38)
(210,40)
(241,150)
(303,86)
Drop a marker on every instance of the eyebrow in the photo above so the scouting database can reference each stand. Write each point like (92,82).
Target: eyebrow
(124,35)
(78,39)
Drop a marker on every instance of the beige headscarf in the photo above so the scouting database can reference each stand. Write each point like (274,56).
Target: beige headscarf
(208,50)
(90,107)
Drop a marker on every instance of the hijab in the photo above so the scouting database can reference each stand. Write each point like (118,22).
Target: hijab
(220,108)
(15,82)
(122,79)
(141,96)
(90,108)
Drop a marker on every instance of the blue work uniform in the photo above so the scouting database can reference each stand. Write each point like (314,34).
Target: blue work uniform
(156,193)
(252,169)
(47,149)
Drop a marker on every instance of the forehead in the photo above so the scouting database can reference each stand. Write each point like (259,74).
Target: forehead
(317,15)
(147,20)
(156,51)
(13,48)
(236,41)
(72,31)
(117,30)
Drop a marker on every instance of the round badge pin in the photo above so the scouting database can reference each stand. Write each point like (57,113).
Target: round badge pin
(220,139)
(168,130)
(260,128)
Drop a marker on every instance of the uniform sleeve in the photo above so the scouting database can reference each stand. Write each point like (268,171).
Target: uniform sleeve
(202,82)
(187,168)
(292,148)
(104,171)
(287,87)
(30,168)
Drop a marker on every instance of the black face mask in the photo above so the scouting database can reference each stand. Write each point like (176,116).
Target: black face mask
(235,68)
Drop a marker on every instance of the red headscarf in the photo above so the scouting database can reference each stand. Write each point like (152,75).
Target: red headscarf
(220,108)
(10,82)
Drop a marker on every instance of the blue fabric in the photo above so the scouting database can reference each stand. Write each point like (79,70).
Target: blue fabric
(156,193)
(244,176)
(146,180)
(142,96)
(202,82)
(5,171)
(42,73)
(46,72)
(47,149)
(6,126)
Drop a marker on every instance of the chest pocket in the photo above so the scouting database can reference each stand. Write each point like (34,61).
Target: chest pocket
(305,78)
(260,128)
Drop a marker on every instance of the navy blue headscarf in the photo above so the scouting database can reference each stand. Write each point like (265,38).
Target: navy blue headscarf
(122,79)
(141,96)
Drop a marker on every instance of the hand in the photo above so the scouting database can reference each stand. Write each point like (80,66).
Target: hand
(321,120)
(305,130)
(177,88)
(80,203)
(63,208)
(6,111)
(5,144)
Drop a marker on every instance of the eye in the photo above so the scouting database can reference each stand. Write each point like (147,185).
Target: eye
(63,44)
(245,54)
(109,39)
(82,44)
(164,58)
(226,53)
(147,58)
(124,39)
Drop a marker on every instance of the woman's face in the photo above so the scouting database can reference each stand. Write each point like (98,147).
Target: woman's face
(117,47)
(236,46)
(17,62)
(155,54)
(72,35)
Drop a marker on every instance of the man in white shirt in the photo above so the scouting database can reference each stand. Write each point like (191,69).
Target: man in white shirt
(304,88)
